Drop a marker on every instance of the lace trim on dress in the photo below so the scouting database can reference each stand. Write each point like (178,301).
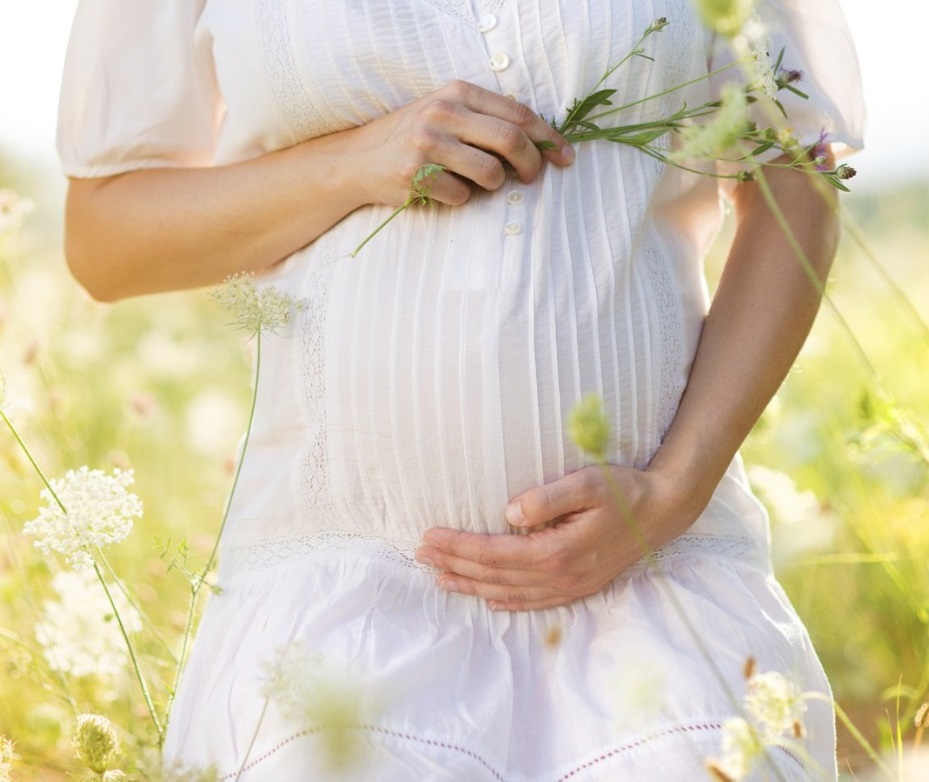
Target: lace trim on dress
(284,80)
(670,382)
(605,756)
(281,552)
(316,490)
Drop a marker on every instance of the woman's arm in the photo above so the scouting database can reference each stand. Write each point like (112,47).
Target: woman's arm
(761,313)
(162,229)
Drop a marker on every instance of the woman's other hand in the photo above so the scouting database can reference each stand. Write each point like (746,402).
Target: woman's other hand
(600,521)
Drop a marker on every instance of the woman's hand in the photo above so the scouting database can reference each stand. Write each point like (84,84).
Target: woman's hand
(467,129)
(602,520)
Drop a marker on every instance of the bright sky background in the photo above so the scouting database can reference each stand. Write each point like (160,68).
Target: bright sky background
(891,42)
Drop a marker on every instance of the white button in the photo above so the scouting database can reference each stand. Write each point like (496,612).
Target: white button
(487,23)
(499,62)
(511,229)
(514,197)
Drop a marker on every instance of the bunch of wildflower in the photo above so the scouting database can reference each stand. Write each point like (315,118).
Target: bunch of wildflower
(6,758)
(252,309)
(589,428)
(13,210)
(774,709)
(79,633)
(311,692)
(87,509)
(95,742)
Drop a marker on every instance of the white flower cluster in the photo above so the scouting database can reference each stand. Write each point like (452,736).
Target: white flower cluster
(255,310)
(6,758)
(761,68)
(97,511)
(79,633)
(13,210)
(312,692)
(774,708)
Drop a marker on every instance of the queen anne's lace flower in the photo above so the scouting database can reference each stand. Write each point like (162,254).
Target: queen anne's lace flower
(312,692)
(13,210)
(255,310)
(95,742)
(741,746)
(761,67)
(775,704)
(97,511)
(78,632)
(6,758)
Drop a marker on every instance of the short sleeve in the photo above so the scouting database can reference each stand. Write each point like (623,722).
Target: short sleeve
(816,41)
(138,88)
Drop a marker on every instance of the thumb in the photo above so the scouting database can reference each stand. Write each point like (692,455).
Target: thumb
(546,503)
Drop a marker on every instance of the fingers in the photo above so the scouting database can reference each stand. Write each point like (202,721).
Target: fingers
(575,492)
(472,132)
(488,574)
(491,552)
(506,596)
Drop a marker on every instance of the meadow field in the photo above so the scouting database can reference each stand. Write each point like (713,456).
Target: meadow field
(161,385)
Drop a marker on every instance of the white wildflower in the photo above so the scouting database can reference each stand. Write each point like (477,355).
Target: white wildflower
(760,65)
(13,210)
(95,742)
(741,748)
(6,758)
(79,633)
(255,310)
(97,511)
(179,773)
(721,133)
(312,692)
(775,704)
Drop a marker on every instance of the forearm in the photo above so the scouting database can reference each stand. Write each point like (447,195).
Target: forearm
(760,316)
(163,229)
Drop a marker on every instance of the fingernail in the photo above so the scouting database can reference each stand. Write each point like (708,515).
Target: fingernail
(514,514)
(424,560)
(496,606)
(568,154)
(448,584)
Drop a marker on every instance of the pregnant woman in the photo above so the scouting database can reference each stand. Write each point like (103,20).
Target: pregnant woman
(412,415)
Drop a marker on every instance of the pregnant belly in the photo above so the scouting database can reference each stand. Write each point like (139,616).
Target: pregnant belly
(435,396)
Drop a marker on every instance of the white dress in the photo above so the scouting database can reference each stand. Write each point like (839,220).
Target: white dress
(426,382)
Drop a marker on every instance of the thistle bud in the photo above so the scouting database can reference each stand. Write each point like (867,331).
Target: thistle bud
(658,25)
(845,171)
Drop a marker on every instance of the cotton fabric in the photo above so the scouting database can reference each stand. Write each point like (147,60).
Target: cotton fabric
(426,382)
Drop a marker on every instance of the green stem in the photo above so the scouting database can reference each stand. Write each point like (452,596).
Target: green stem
(132,655)
(198,582)
(406,204)
(32,461)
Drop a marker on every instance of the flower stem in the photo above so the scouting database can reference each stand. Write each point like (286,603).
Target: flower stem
(32,460)
(198,582)
(132,655)
(405,205)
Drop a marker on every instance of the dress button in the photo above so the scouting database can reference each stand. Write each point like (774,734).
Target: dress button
(487,23)
(514,197)
(499,62)
(511,229)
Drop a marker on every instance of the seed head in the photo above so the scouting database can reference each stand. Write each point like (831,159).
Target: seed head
(589,428)
(95,742)
(845,171)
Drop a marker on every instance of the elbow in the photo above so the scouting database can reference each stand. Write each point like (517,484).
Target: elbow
(88,270)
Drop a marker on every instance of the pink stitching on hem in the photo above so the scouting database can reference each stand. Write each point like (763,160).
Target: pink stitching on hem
(474,756)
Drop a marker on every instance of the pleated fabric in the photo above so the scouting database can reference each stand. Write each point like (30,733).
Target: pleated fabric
(426,382)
